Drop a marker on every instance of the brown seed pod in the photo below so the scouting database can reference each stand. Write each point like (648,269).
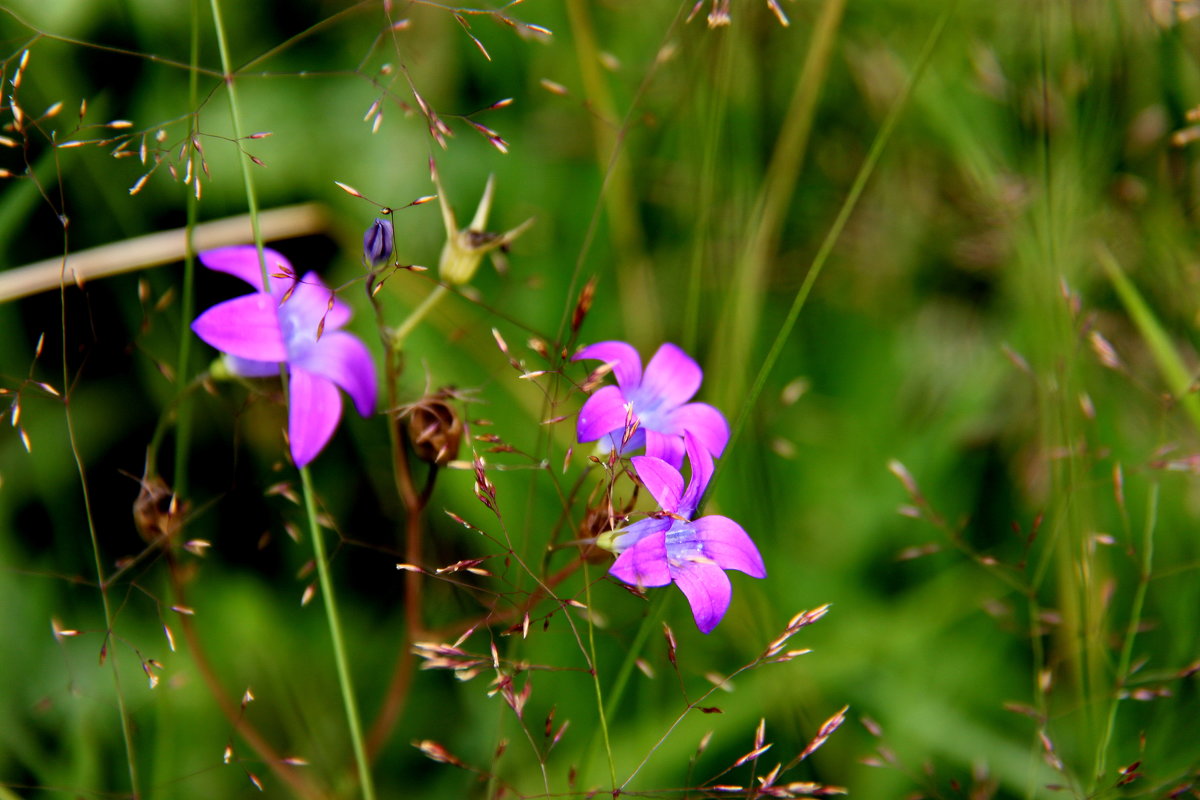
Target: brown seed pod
(157,513)
(435,428)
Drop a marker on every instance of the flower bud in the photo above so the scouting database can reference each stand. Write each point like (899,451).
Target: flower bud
(377,242)
(435,429)
(465,247)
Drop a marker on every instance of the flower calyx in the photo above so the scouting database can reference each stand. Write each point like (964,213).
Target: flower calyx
(465,248)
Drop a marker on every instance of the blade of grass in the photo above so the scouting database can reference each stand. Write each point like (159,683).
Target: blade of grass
(782,174)
(1179,380)
(835,231)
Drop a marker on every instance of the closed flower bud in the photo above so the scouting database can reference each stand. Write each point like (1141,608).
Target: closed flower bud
(435,429)
(377,242)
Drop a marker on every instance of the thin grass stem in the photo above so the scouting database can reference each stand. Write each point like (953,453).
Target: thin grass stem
(310,506)
(1135,621)
(600,706)
(183,419)
(419,313)
(123,711)
(335,632)
(835,231)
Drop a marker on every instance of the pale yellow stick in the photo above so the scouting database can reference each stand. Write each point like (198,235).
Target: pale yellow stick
(160,248)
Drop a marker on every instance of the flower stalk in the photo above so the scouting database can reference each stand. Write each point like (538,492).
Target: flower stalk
(310,507)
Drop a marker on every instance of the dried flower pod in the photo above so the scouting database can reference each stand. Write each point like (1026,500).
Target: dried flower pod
(465,248)
(435,428)
(377,242)
(157,513)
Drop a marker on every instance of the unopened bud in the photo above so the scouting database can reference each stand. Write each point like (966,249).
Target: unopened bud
(377,242)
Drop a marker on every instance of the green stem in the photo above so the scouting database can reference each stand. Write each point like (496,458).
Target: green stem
(835,232)
(612,766)
(183,427)
(418,314)
(126,728)
(236,117)
(335,633)
(1135,619)
(335,629)
(723,74)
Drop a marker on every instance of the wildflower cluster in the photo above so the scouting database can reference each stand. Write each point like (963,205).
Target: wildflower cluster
(650,409)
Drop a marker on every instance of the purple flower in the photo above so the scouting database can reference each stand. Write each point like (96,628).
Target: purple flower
(673,547)
(658,399)
(377,242)
(259,331)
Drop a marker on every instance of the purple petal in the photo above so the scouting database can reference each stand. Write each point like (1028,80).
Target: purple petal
(702,470)
(627,365)
(241,261)
(249,368)
(308,304)
(640,530)
(663,481)
(707,590)
(314,408)
(644,564)
(704,422)
(672,377)
(246,326)
(603,412)
(668,447)
(343,359)
(728,545)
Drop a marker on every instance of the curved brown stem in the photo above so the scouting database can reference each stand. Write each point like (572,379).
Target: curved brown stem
(414,502)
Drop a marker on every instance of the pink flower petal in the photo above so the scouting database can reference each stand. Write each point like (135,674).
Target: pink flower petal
(241,261)
(672,376)
(602,413)
(666,447)
(664,481)
(314,408)
(727,544)
(343,359)
(639,530)
(704,422)
(628,366)
(246,326)
(707,589)
(249,368)
(644,564)
(308,304)
(702,470)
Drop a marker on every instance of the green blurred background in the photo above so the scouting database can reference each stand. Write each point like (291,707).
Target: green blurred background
(984,194)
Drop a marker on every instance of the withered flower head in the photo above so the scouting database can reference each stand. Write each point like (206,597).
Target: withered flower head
(435,428)
(157,514)
(465,248)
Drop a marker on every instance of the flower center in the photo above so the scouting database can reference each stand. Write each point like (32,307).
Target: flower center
(683,545)
(647,407)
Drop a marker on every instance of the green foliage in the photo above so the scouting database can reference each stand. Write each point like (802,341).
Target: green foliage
(956,239)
